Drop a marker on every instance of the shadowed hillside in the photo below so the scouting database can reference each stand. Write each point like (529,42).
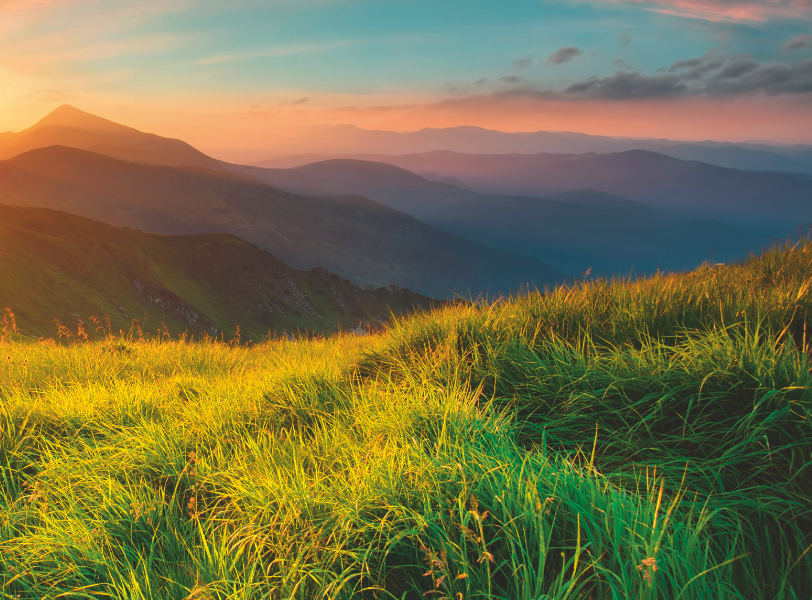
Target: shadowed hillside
(354,237)
(60,266)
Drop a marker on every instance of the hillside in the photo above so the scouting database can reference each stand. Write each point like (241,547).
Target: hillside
(607,240)
(60,266)
(357,238)
(736,157)
(69,126)
(644,439)
(772,202)
(388,184)
(573,231)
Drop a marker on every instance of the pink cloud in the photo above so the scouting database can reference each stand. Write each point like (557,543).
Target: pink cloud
(727,10)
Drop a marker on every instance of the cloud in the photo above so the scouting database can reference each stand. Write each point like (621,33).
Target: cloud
(510,79)
(625,85)
(482,81)
(725,10)
(736,68)
(625,38)
(696,68)
(522,63)
(710,75)
(297,102)
(685,64)
(563,54)
(799,41)
(773,79)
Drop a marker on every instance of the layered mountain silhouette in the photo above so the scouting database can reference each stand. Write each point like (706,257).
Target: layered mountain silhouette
(70,268)
(69,126)
(769,202)
(634,209)
(744,159)
(327,141)
(572,231)
(353,236)
(351,139)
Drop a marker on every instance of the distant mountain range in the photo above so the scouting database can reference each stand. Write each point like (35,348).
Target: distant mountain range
(347,141)
(743,158)
(766,202)
(437,221)
(353,236)
(572,231)
(61,266)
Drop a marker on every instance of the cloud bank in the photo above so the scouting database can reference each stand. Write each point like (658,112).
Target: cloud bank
(710,75)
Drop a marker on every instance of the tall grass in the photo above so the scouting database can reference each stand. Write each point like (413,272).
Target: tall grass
(614,439)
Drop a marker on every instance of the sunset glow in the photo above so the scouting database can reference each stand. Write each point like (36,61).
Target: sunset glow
(250,74)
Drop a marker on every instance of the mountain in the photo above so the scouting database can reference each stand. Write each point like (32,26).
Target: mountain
(361,240)
(609,240)
(355,237)
(602,200)
(736,157)
(572,231)
(69,126)
(59,266)
(327,141)
(390,185)
(349,139)
(769,202)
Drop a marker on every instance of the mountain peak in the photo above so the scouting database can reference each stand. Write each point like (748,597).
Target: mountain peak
(70,116)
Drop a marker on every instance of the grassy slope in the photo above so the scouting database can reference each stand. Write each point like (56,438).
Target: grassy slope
(60,266)
(361,240)
(627,440)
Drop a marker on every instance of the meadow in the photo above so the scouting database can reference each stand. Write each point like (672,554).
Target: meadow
(610,439)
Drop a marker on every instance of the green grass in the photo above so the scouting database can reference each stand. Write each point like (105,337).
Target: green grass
(644,440)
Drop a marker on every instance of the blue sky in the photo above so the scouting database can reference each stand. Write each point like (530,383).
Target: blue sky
(307,61)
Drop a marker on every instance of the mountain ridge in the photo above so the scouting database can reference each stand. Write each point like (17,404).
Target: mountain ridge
(69,268)
(689,188)
(365,242)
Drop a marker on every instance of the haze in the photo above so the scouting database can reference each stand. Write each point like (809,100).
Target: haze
(240,80)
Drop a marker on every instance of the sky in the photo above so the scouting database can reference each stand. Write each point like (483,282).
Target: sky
(244,74)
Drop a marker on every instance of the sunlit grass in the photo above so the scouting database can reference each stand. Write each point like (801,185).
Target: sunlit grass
(622,439)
